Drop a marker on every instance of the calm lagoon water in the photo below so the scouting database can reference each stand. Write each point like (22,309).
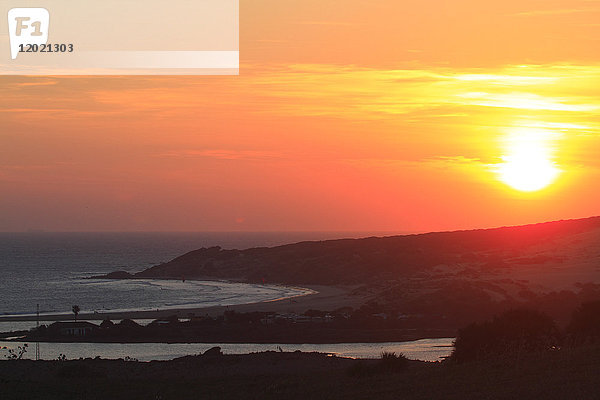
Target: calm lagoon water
(425,349)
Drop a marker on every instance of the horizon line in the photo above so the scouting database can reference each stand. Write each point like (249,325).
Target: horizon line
(393,232)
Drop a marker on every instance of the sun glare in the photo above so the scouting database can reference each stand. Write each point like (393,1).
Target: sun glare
(528,164)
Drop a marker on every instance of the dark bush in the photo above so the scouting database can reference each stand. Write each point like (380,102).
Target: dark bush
(585,322)
(107,324)
(392,362)
(389,363)
(506,335)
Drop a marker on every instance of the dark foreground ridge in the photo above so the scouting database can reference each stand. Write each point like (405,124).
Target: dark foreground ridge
(564,374)
(356,261)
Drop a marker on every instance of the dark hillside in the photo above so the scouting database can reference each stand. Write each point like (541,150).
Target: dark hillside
(355,261)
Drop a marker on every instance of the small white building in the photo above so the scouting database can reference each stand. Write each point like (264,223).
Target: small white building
(80,328)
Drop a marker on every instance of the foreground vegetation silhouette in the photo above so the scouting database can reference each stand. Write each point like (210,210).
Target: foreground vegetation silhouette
(585,324)
(517,354)
(507,335)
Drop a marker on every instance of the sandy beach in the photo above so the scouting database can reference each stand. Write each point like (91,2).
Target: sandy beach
(325,298)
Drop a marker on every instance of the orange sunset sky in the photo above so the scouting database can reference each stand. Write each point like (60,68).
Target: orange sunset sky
(349,115)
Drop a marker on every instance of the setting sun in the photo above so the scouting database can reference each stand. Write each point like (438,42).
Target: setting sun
(528,164)
(342,119)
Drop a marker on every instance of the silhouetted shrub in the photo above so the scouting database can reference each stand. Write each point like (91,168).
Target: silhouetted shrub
(107,324)
(213,352)
(506,335)
(585,322)
(18,353)
(315,313)
(389,363)
(392,362)
(129,324)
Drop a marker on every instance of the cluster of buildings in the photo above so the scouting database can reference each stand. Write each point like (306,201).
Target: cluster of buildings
(273,318)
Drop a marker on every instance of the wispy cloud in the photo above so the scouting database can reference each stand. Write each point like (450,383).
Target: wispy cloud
(222,154)
(524,101)
(562,11)
(42,82)
(369,93)
(327,23)
(31,110)
(340,91)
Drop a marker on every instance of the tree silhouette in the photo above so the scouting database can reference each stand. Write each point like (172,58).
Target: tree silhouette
(76,310)
(585,322)
(506,335)
(18,353)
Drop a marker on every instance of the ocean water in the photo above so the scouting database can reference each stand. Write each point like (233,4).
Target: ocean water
(50,269)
